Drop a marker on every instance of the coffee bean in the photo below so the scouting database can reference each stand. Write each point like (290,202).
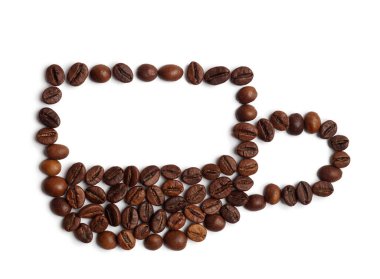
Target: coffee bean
(245,131)
(195,194)
(129,218)
(272,194)
(328,129)
(117,192)
(154,195)
(75,174)
(196,232)
(142,231)
(51,95)
(211,206)
(247,149)
(54,186)
(131,176)
(90,211)
(243,183)
(100,73)
(99,224)
(170,171)
(176,221)
(47,136)
(77,74)
(135,195)
(247,167)
(146,72)
(57,151)
(172,188)
(230,213)
(50,167)
(71,222)
(296,124)
(255,202)
(112,214)
(194,213)
(241,75)
(304,193)
(191,176)
(60,206)
(340,159)
(175,204)
(83,233)
(158,221)
(211,171)
(55,75)
(329,173)
(113,176)
(195,73)
(217,75)
(237,198)
(170,72)
(339,142)
(214,222)
(279,120)
(75,196)
(107,240)
(126,240)
(288,195)
(94,175)
(150,175)
(227,165)
(265,130)
(145,212)
(246,113)
(322,188)
(122,72)
(246,95)
(95,194)
(153,242)
(220,188)
(312,122)
(175,240)
(49,118)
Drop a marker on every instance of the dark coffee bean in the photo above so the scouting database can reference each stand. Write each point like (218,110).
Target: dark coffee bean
(322,188)
(57,151)
(329,173)
(175,204)
(113,176)
(60,206)
(146,72)
(328,129)
(340,159)
(49,118)
(191,176)
(195,194)
(170,72)
(135,195)
(142,231)
(217,75)
(158,221)
(47,136)
(71,222)
(99,224)
(237,198)
(227,165)
(117,192)
(220,188)
(247,167)
(214,222)
(211,206)
(100,73)
(129,218)
(246,95)
(95,195)
(153,242)
(75,174)
(211,171)
(339,142)
(90,211)
(122,72)
(272,194)
(312,122)
(145,212)
(265,130)
(245,131)
(172,188)
(279,120)
(150,175)
(112,214)
(175,240)
(131,176)
(241,75)
(75,196)
(83,233)
(296,124)
(154,195)
(107,240)
(195,73)
(246,113)
(77,74)
(50,167)
(230,213)
(176,221)
(170,171)
(94,175)
(55,75)
(247,149)
(54,186)
(196,232)
(51,95)
(126,240)
(243,183)
(194,213)
(288,195)
(304,193)
(255,203)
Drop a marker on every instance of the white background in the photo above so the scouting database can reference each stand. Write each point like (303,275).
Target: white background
(306,55)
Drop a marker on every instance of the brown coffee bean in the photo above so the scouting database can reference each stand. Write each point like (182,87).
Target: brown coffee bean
(220,188)
(100,73)
(214,222)
(83,233)
(170,171)
(247,149)
(211,171)
(51,95)
(247,167)
(158,221)
(243,183)
(146,72)
(107,240)
(112,214)
(191,176)
(194,73)
(339,142)
(175,240)
(211,206)
(170,72)
(49,118)
(75,196)
(129,218)
(145,212)
(71,222)
(296,124)
(304,193)
(131,176)
(195,194)
(176,221)
(196,232)
(328,129)
(57,151)
(288,195)
(122,72)
(94,175)
(340,159)
(142,231)
(54,186)
(99,224)
(265,130)
(230,213)
(246,113)
(217,75)
(77,74)
(113,176)
(135,195)
(227,165)
(90,211)
(75,174)
(237,198)
(126,240)
(312,122)
(329,173)
(47,136)
(241,75)
(175,204)
(279,120)
(322,188)
(194,213)
(153,242)
(150,175)
(172,188)
(60,206)
(55,75)
(246,95)
(50,167)
(272,194)
(255,202)
(95,195)
(154,195)
(117,192)
(245,131)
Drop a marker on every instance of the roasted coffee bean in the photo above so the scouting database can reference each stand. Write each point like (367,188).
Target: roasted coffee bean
(272,194)
(122,72)
(50,167)
(95,194)
(158,221)
(339,142)
(246,113)
(245,131)
(150,175)
(51,95)
(145,212)
(55,75)
(175,204)
(211,206)
(296,124)
(329,173)
(75,196)
(113,176)
(172,188)
(194,213)
(142,231)
(117,192)
(195,194)
(191,176)
(247,149)
(322,188)
(304,193)
(49,118)
(243,183)
(77,74)
(135,195)
(83,233)
(227,165)
(94,175)
(279,120)
(288,195)
(112,214)
(131,176)
(71,222)
(176,221)
(214,222)
(57,151)
(196,232)
(90,211)
(265,130)
(312,122)
(146,72)
(129,218)
(194,73)
(247,167)
(328,129)
(153,242)
(340,159)
(241,75)
(175,240)
(255,202)
(54,186)
(100,73)
(217,75)
(99,224)
(170,72)
(246,95)
(126,240)
(230,213)
(154,195)
(47,136)
(60,206)
(170,171)
(237,198)
(107,240)
(75,174)
(220,188)
(211,171)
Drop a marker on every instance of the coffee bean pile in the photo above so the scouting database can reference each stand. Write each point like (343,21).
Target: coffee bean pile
(92,199)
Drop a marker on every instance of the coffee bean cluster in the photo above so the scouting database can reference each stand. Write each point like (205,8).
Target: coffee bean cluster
(169,205)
